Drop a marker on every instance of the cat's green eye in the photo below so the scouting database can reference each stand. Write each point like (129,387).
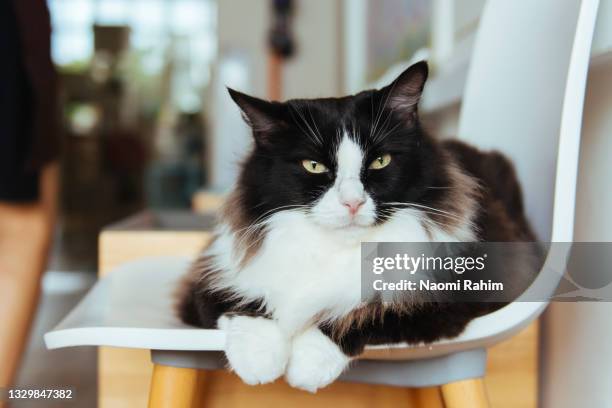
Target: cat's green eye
(314,166)
(380,162)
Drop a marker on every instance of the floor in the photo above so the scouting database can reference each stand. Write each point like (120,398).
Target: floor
(66,368)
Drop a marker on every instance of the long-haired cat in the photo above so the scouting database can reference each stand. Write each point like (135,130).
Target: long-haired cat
(282,274)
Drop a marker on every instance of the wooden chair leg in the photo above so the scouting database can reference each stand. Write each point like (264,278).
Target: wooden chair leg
(174,387)
(465,394)
(428,397)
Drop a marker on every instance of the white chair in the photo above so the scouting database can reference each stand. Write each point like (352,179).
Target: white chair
(524,97)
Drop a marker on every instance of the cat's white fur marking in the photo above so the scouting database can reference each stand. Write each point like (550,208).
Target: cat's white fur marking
(256,348)
(330,211)
(308,267)
(302,270)
(315,361)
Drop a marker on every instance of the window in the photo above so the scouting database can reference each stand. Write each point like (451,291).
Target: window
(184,28)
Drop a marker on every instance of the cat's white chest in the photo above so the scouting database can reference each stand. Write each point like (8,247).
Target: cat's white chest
(303,271)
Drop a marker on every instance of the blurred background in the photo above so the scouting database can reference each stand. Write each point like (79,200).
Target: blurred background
(146,119)
(134,77)
(146,122)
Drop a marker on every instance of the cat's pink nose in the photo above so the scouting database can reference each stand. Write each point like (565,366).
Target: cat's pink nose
(353,205)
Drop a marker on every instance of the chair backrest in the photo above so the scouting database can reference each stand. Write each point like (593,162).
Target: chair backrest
(524,97)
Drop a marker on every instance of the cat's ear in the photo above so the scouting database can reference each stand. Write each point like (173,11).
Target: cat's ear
(403,94)
(262,116)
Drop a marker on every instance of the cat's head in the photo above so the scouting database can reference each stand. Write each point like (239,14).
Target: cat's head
(347,162)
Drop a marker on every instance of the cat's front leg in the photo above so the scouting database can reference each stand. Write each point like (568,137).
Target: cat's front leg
(315,361)
(256,348)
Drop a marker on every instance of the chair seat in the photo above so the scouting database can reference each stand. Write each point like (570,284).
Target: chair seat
(133,307)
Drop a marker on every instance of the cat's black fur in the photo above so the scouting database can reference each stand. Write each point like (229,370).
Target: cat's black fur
(282,140)
(422,171)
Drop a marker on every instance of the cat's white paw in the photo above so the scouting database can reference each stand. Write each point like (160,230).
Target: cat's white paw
(315,361)
(256,349)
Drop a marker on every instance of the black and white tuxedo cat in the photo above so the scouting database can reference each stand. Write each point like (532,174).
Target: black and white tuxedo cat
(282,274)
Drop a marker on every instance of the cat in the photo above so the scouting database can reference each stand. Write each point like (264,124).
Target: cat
(282,273)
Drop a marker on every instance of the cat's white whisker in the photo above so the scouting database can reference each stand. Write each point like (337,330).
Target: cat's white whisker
(314,122)
(272,211)
(422,206)
(429,220)
(260,223)
(382,108)
(310,135)
(384,135)
(383,128)
(314,136)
